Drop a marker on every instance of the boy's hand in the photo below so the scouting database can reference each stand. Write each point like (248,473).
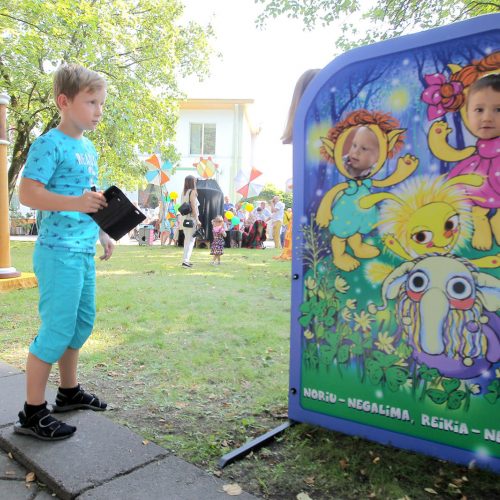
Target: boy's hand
(107,245)
(91,202)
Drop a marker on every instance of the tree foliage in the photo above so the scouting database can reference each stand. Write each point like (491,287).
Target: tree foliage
(362,24)
(141,46)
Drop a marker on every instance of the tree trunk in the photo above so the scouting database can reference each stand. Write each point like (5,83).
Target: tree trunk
(19,155)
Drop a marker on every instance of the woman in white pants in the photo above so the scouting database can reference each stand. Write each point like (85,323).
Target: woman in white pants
(189,194)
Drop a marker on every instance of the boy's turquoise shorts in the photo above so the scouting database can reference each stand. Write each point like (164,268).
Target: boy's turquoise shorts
(66,282)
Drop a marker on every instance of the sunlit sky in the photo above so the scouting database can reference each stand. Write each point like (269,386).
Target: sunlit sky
(262,65)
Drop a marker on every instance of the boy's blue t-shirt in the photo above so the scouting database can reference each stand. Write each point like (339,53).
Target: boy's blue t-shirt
(68,166)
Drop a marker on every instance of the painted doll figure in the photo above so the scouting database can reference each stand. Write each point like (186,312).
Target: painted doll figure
(483,115)
(373,138)
(475,92)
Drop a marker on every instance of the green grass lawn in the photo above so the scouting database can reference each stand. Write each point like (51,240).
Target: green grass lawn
(196,360)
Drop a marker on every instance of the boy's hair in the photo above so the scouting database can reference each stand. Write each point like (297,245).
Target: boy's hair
(491,81)
(69,79)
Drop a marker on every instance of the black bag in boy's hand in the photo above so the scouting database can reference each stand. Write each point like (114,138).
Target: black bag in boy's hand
(120,216)
(185,208)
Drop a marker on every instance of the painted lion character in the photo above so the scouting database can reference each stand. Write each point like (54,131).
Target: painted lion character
(447,311)
(428,215)
(479,81)
(359,146)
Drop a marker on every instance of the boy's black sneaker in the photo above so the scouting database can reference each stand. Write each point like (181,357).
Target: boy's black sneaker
(80,400)
(43,425)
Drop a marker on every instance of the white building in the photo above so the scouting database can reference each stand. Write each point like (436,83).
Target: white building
(221,129)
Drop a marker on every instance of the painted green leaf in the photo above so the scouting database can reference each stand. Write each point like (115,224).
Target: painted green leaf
(326,355)
(455,400)
(343,354)
(305,320)
(320,332)
(495,387)
(384,359)
(396,377)
(305,307)
(451,384)
(491,397)
(374,370)
(438,396)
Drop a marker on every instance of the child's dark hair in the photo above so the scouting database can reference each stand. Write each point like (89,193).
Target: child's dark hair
(486,82)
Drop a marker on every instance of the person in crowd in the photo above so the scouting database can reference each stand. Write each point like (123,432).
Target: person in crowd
(60,172)
(177,227)
(287,217)
(227,204)
(217,247)
(164,223)
(277,213)
(167,224)
(191,221)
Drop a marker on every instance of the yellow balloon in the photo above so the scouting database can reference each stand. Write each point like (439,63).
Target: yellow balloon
(229,215)
(173,195)
(249,207)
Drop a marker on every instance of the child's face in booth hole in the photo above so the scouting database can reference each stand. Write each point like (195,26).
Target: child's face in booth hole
(483,113)
(364,150)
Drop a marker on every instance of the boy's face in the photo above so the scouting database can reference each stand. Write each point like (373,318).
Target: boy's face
(483,113)
(364,150)
(84,111)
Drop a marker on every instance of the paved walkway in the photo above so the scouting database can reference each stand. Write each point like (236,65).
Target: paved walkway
(102,461)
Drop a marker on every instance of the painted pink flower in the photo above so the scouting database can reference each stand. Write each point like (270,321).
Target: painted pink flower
(440,95)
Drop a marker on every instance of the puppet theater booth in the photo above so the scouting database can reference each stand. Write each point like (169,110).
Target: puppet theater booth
(395,334)
(211,200)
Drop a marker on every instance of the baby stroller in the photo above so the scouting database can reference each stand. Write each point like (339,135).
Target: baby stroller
(256,235)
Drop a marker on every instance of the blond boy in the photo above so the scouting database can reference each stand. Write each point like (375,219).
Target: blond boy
(60,171)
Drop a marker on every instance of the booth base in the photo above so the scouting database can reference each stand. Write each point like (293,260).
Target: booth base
(26,280)
(255,444)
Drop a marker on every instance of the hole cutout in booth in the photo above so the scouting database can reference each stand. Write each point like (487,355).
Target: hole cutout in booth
(360,152)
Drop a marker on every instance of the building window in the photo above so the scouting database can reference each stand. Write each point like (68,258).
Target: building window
(202,139)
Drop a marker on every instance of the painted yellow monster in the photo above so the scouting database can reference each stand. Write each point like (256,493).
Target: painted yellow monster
(359,147)
(427,215)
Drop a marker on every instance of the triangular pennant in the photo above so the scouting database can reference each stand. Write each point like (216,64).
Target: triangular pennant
(254,174)
(151,175)
(164,178)
(154,160)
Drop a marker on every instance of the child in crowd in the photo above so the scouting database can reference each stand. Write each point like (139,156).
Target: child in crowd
(60,171)
(363,153)
(219,234)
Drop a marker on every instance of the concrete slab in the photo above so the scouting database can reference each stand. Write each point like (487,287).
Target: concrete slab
(7,370)
(15,490)
(13,390)
(170,478)
(10,469)
(99,451)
